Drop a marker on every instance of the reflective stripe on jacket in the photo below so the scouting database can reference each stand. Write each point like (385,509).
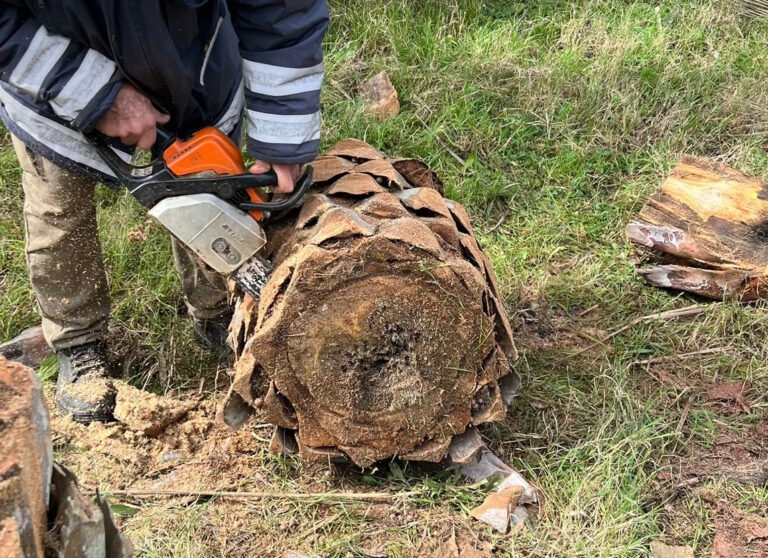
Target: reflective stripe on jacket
(62,63)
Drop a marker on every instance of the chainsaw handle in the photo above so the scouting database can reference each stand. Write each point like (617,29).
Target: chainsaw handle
(153,182)
(126,173)
(302,185)
(136,176)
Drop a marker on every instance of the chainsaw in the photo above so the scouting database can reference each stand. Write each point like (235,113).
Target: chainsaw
(200,191)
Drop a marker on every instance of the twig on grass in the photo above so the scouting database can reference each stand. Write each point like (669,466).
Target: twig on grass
(684,415)
(588,310)
(499,222)
(316,527)
(230,495)
(693,310)
(657,360)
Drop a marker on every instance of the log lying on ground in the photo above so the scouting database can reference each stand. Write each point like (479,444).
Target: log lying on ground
(33,487)
(705,231)
(381,332)
(26,459)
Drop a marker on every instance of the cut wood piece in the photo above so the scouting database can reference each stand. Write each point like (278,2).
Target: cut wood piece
(704,231)
(10,541)
(26,457)
(466,447)
(81,528)
(28,348)
(34,488)
(373,335)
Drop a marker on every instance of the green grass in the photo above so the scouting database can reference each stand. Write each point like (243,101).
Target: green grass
(557,119)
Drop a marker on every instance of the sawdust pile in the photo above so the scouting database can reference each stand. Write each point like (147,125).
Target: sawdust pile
(158,443)
(145,412)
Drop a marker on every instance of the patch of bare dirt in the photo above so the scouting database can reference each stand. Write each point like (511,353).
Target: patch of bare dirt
(740,535)
(539,329)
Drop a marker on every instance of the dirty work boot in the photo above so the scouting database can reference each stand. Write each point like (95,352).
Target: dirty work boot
(84,389)
(212,334)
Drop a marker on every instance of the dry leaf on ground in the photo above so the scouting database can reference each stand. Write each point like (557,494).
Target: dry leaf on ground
(380,96)
(730,392)
(137,235)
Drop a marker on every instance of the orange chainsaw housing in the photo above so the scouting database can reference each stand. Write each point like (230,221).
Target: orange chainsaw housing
(209,150)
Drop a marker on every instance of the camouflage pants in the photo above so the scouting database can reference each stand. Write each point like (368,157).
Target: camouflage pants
(64,257)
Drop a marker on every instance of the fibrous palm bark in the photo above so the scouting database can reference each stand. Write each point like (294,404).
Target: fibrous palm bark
(381,332)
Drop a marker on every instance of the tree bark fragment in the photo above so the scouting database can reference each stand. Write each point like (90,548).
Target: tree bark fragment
(26,459)
(705,231)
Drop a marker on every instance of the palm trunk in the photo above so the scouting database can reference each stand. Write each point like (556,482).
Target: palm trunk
(381,332)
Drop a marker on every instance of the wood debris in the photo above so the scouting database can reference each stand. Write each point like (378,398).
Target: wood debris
(26,459)
(145,412)
(28,348)
(380,96)
(509,503)
(704,231)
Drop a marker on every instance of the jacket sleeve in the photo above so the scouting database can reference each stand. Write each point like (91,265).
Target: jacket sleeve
(281,47)
(49,71)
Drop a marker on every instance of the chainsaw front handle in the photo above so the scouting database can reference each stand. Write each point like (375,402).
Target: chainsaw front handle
(302,185)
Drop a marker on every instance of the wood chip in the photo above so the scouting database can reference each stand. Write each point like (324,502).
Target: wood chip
(380,97)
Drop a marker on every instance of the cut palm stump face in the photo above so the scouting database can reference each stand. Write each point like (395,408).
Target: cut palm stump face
(381,332)
(705,231)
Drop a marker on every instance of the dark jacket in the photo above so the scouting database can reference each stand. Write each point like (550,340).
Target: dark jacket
(62,63)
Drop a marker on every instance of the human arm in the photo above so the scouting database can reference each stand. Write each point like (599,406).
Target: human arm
(281,47)
(62,79)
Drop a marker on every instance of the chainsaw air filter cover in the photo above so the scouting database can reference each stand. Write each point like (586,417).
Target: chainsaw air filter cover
(223,236)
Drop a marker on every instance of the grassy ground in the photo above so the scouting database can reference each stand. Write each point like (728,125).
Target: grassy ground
(555,119)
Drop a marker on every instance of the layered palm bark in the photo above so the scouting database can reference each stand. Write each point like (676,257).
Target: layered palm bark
(381,332)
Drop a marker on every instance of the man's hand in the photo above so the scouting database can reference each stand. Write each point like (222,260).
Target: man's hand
(287,175)
(132,118)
